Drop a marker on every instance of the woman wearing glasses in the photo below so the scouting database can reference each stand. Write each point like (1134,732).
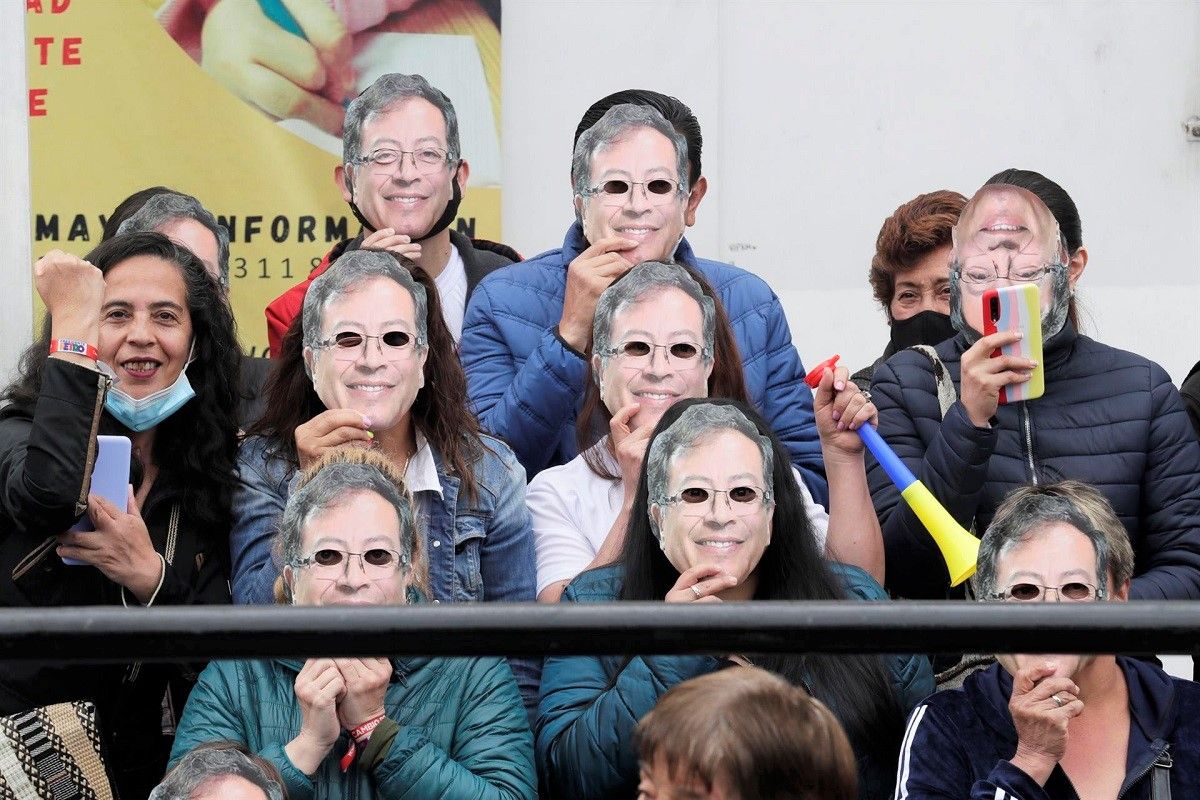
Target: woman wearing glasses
(658,337)
(1107,417)
(719,516)
(370,363)
(364,727)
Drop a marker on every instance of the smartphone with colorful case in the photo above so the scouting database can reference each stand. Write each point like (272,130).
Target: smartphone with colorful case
(1017,308)
(110,480)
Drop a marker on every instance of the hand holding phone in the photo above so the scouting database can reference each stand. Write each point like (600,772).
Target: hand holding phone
(110,480)
(1017,309)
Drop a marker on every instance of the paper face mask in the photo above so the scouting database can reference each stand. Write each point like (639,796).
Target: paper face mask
(1007,236)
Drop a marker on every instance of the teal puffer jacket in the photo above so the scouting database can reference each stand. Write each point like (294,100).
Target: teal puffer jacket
(464,734)
(590,705)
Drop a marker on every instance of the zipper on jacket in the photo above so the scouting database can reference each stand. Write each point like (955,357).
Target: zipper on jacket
(1163,759)
(1025,423)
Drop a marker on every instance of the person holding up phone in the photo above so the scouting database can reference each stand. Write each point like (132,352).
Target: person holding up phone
(138,343)
(1107,417)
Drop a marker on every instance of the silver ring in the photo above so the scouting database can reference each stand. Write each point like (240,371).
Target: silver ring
(866,395)
(696,591)
(1058,701)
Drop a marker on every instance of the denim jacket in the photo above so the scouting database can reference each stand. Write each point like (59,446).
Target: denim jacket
(480,550)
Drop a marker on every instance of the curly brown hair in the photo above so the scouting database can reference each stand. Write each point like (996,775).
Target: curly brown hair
(914,230)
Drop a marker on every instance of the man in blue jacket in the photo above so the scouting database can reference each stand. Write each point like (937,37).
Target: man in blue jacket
(1056,727)
(528,327)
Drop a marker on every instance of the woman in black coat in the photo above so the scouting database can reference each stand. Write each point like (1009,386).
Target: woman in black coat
(139,343)
(1108,417)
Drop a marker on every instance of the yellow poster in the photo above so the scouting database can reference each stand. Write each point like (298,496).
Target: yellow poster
(129,94)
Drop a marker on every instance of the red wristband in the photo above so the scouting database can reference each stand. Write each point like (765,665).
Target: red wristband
(365,730)
(75,347)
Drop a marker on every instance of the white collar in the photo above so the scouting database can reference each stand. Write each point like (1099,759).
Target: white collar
(421,474)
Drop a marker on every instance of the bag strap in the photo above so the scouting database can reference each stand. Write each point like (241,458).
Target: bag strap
(947,394)
(1160,776)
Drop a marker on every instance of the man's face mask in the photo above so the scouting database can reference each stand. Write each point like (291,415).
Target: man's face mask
(1006,237)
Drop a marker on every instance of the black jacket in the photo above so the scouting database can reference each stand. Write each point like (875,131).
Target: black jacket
(1109,418)
(46,456)
(959,742)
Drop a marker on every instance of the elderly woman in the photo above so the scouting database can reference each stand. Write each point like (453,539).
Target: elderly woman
(370,363)
(1059,726)
(137,343)
(743,734)
(719,517)
(910,274)
(659,337)
(1109,417)
(365,727)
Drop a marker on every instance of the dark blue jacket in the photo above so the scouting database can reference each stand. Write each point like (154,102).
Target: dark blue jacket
(526,384)
(1109,418)
(958,742)
(591,704)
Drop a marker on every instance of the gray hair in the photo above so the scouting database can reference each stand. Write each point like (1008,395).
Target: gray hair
(616,122)
(385,92)
(696,423)
(345,274)
(644,279)
(1028,509)
(166,207)
(332,479)
(206,764)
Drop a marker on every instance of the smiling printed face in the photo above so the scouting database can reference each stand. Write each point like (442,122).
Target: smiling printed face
(361,524)
(145,325)
(655,222)
(717,514)
(405,195)
(663,318)
(376,379)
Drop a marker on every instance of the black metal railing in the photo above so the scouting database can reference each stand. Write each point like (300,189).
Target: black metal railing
(99,634)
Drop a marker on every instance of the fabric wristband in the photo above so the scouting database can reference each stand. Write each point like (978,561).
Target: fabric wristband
(74,347)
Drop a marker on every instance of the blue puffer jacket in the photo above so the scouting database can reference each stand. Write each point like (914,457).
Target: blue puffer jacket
(591,705)
(526,384)
(959,741)
(1108,417)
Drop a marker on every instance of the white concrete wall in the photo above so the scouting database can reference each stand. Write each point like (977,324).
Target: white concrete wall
(821,117)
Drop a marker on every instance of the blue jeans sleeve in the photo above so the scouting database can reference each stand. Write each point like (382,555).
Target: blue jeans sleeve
(257,506)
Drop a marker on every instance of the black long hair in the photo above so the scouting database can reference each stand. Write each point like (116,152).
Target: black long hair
(857,688)
(195,449)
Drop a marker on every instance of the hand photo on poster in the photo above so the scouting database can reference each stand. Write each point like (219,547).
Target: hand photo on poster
(301,61)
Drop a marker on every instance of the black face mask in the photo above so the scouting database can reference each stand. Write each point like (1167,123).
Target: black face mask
(443,221)
(927,327)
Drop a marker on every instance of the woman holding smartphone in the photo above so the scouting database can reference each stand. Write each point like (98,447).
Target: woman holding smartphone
(137,343)
(1107,417)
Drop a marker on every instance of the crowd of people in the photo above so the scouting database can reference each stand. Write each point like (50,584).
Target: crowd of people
(617,419)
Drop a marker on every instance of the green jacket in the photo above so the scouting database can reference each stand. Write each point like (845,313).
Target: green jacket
(463,732)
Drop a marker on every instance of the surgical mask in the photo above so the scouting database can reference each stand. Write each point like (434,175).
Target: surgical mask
(928,328)
(145,413)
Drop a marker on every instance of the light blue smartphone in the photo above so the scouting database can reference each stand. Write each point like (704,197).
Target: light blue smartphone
(110,480)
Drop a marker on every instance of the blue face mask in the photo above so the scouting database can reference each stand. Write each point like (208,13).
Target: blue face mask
(143,414)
